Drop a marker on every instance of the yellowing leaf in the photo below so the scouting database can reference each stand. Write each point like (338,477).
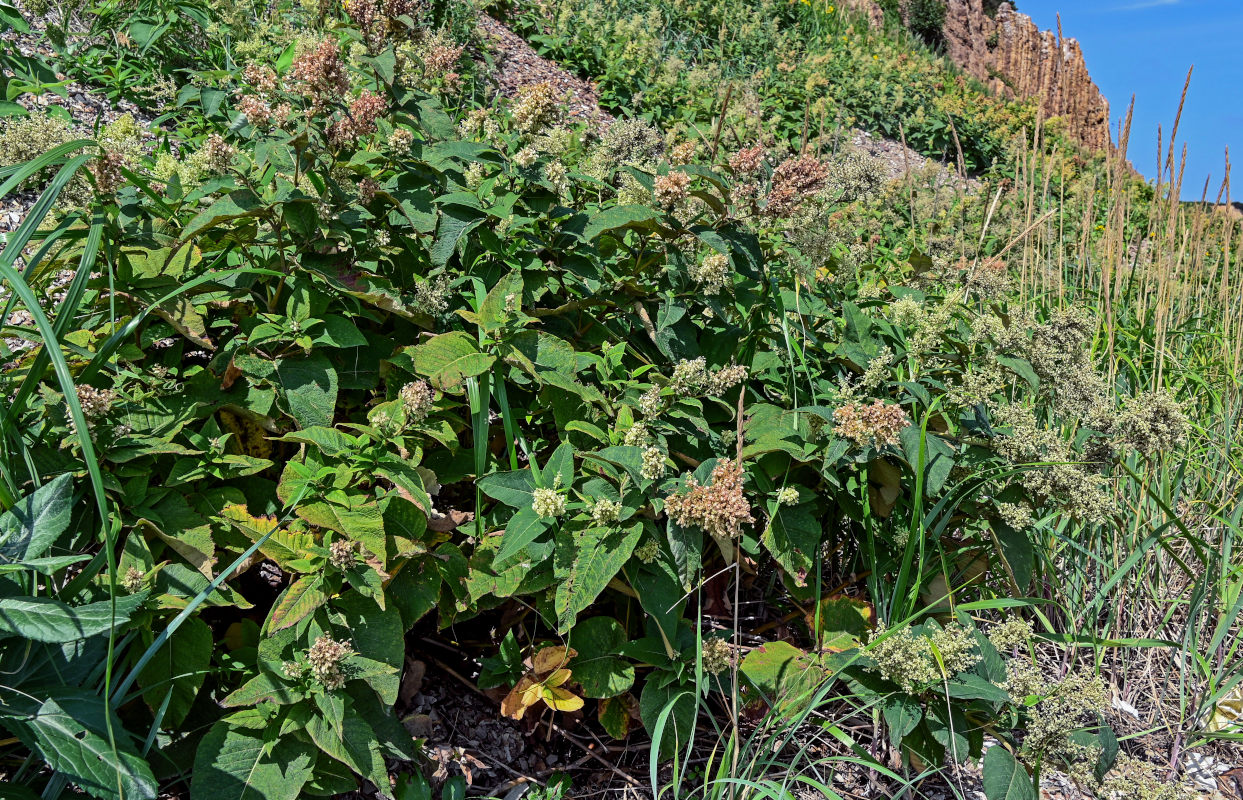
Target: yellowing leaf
(300,598)
(551,658)
(617,713)
(558,678)
(283,546)
(1228,713)
(560,699)
(515,704)
(533,694)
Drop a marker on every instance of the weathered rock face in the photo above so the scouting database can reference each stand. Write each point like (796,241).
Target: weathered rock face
(1016,59)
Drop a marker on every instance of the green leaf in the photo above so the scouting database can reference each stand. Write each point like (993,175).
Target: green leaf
(969,686)
(515,489)
(1018,553)
(494,310)
(559,471)
(415,590)
(596,668)
(231,763)
(71,734)
(617,217)
(767,666)
(629,459)
(842,622)
(1021,367)
(361,521)
(340,332)
(45,619)
(585,562)
(859,345)
(686,545)
(950,728)
(792,537)
(376,634)
(679,725)
(163,262)
(351,741)
(179,666)
(523,528)
(29,528)
(235,205)
(455,222)
(449,359)
(1004,778)
(614,715)
(309,384)
(938,457)
(261,688)
(329,441)
(782,675)
(902,714)
(300,598)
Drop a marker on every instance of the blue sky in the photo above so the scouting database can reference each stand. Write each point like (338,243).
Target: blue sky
(1143,48)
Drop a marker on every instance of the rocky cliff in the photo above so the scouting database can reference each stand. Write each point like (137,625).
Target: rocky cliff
(1015,58)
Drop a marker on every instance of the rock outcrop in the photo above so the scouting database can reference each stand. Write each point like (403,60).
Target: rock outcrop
(1011,55)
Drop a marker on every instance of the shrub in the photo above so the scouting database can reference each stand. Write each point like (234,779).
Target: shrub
(926,19)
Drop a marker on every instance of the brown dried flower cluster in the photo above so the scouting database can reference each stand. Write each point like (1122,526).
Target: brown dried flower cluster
(795,180)
(261,77)
(440,60)
(360,121)
(874,424)
(400,140)
(342,554)
(720,509)
(671,189)
(400,8)
(682,153)
(377,19)
(256,111)
(107,172)
(258,108)
(320,73)
(95,403)
(747,161)
(325,657)
(367,189)
(217,154)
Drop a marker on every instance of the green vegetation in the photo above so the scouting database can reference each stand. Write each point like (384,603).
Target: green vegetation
(721,440)
(774,73)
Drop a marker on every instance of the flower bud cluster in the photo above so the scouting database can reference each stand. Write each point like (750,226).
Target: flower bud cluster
(342,554)
(605,512)
(720,508)
(326,657)
(95,403)
(712,274)
(874,425)
(653,464)
(416,398)
(671,189)
(794,181)
(548,503)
